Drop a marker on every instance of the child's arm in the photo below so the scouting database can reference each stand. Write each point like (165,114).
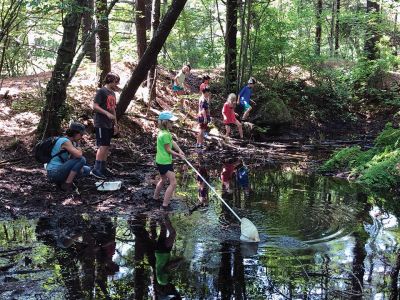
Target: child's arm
(175,146)
(170,151)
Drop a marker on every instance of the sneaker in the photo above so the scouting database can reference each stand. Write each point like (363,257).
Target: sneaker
(98,174)
(166,208)
(67,187)
(108,173)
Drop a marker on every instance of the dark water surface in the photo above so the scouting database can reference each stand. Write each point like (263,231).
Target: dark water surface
(321,238)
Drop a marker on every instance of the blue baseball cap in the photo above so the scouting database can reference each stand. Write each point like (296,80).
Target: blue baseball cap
(167,115)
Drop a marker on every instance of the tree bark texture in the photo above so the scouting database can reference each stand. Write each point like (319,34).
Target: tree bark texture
(150,56)
(87,28)
(372,34)
(318,28)
(103,58)
(337,27)
(140,22)
(155,22)
(230,45)
(394,282)
(56,90)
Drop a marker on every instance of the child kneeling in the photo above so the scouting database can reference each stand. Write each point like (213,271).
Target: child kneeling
(166,147)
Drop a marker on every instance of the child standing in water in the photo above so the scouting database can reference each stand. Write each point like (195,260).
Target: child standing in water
(203,116)
(228,113)
(244,98)
(179,84)
(166,148)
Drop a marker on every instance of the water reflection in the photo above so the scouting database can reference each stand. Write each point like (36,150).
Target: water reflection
(323,239)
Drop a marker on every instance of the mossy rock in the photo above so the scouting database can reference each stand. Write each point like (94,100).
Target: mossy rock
(273,112)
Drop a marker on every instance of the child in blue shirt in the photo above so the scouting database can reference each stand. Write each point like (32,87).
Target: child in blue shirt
(244,97)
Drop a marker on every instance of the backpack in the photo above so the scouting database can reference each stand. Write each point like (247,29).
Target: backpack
(42,150)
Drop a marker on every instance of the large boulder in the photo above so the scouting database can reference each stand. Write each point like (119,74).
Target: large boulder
(271,111)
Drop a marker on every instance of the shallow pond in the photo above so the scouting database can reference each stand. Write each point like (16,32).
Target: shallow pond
(320,239)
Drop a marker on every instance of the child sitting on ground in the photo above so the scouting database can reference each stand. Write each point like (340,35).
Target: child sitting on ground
(203,116)
(228,113)
(166,147)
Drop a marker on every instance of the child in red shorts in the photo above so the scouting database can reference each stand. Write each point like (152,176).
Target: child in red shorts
(228,113)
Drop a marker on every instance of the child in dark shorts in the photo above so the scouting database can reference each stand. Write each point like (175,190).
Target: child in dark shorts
(166,147)
(203,116)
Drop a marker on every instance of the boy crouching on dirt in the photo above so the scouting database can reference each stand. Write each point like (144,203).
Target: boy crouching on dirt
(166,147)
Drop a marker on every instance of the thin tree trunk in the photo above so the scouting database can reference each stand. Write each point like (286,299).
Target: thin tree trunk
(230,45)
(394,276)
(337,29)
(103,58)
(155,22)
(372,34)
(56,90)
(140,22)
(318,28)
(81,54)
(247,43)
(88,25)
(331,38)
(242,44)
(150,56)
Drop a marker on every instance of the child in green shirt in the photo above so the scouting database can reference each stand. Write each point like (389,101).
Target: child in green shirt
(165,149)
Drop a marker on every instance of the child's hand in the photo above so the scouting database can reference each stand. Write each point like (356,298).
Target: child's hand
(181,154)
(236,114)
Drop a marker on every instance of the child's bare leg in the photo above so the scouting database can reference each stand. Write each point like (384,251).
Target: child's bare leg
(246,114)
(240,128)
(228,130)
(200,135)
(171,188)
(159,186)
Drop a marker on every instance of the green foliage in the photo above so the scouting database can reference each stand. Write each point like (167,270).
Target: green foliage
(376,168)
(388,138)
(341,159)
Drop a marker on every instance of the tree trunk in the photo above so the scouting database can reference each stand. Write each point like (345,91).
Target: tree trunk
(87,28)
(230,45)
(331,38)
(372,35)
(56,90)
(80,55)
(394,279)
(155,22)
(337,27)
(140,23)
(102,42)
(242,43)
(318,29)
(150,56)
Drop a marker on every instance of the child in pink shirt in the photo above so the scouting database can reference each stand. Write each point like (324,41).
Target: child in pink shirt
(228,113)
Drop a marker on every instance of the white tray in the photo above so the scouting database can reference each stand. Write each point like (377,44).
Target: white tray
(108,185)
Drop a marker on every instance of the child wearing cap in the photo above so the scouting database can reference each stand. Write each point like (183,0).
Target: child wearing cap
(229,116)
(166,148)
(67,161)
(244,98)
(203,116)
